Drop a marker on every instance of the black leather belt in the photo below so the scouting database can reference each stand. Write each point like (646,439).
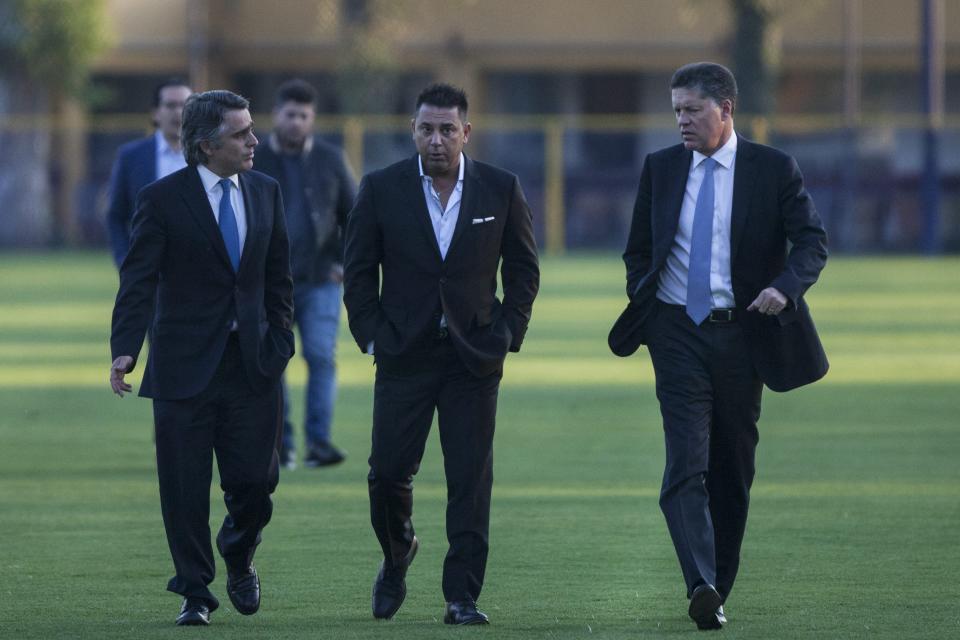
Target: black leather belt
(722,316)
(717,316)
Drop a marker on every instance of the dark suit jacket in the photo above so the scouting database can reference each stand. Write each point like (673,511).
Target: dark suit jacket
(178,258)
(771,208)
(134,168)
(329,192)
(389,228)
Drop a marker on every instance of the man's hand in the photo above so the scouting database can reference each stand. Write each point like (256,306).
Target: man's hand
(120,367)
(769,302)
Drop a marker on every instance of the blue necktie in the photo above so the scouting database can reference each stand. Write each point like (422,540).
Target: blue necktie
(228,225)
(698,277)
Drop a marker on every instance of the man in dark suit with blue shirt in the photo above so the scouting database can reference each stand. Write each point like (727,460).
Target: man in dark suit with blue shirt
(142,161)
(438,226)
(209,249)
(723,245)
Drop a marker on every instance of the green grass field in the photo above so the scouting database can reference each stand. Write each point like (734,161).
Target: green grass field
(854,529)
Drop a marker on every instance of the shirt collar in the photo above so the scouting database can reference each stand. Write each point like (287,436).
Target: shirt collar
(210,180)
(724,155)
(423,175)
(163,147)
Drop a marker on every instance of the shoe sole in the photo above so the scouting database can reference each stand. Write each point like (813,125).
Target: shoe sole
(192,621)
(468,623)
(703,608)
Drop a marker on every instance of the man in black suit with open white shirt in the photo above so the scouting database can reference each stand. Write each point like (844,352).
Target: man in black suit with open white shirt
(438,225)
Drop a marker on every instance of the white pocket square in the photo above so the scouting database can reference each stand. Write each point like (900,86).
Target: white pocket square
(482,220)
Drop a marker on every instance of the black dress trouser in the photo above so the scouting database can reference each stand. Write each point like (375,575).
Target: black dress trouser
(241,427)
(406,393)
(709,394)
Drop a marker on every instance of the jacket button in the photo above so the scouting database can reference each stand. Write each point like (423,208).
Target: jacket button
(443,281)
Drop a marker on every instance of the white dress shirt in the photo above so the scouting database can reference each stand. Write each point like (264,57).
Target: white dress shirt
(444,220)
(168,159)
(211,184)
(673,277)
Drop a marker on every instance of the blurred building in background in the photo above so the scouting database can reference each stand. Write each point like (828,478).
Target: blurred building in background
(570,95)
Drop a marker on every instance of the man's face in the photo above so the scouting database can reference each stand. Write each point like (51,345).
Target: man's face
(167,113)
(293,122)
(233,150)
(704,124)
(439,134)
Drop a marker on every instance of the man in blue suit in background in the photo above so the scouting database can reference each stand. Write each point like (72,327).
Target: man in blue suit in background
(142,161)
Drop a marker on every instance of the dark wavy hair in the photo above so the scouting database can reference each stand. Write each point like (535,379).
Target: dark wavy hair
(203,116)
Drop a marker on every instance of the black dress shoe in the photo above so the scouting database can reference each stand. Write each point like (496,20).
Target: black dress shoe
(193,612)
(704,605)
(323,454)
(464,612)
(243,587)
(390,587)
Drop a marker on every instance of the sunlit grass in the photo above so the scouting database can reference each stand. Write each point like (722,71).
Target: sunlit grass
(853,521)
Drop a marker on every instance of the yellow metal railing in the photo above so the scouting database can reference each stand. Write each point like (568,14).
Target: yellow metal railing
(354,128)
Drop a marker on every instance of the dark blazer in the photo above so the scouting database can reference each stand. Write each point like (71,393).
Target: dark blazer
(329,192)
(389,228)
(134,168)
(776,240)
(178,258)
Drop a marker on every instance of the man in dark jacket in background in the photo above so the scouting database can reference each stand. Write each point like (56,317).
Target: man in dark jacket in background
(318,191)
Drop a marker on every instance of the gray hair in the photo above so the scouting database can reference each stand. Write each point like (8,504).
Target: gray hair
(713,80)
(203,116)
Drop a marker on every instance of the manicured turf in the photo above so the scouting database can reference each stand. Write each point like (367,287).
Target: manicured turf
(853,530)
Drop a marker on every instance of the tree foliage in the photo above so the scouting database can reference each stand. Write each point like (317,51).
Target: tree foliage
(54,40)
(756,53)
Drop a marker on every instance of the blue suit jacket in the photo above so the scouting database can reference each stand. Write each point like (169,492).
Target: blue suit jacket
(135,168)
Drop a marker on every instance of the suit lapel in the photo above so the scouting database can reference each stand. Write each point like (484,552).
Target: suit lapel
(468,201)
(411,190)
(197,203)
(743,180)
(251,207)
(151,167)
(669,215)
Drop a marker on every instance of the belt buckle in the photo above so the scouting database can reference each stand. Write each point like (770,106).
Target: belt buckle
(721,316)
(442,333)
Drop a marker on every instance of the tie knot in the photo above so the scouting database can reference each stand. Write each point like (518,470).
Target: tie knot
(225,185)
(708,165)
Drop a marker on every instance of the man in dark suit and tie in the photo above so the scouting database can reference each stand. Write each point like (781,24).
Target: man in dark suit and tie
(438,226)
(142,161)
(209,246)
(723,245)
